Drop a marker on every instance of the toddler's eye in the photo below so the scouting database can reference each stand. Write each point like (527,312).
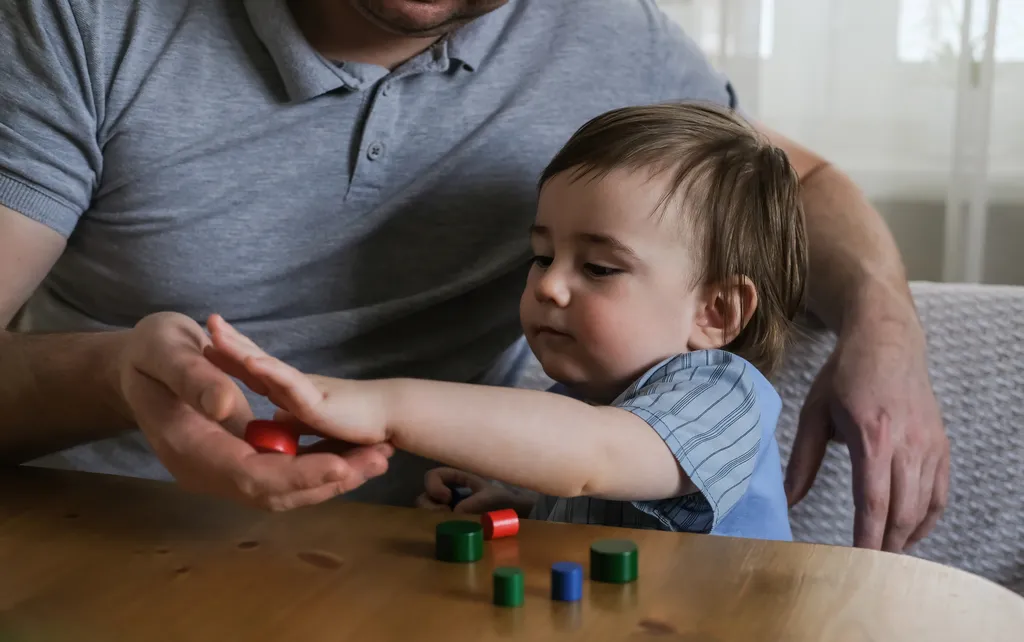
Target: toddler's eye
(543,262)
(600,270)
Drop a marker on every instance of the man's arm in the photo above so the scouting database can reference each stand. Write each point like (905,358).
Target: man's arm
(875,389)
(55,390)
(64,389)
(853,256)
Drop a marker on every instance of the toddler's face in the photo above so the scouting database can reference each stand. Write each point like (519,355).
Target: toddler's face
(610,292)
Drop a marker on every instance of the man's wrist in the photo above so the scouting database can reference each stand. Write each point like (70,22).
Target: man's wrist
(112,355)
(886,307)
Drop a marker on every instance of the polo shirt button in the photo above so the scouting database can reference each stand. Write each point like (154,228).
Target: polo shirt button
(386,89)
(375,150)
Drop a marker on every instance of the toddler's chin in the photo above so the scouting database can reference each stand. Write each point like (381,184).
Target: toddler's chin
(563,370)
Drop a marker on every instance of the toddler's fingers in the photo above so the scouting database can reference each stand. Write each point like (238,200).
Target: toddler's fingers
(439,482)
(484,502)
(234,368)
(231,341)
(287,388)
(424,501)
(435,487)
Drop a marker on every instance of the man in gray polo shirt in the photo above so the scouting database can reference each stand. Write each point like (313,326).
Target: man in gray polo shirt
(351,183)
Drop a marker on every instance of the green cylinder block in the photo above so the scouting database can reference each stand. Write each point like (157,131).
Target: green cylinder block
(508,586)
(613,561)
(459,541)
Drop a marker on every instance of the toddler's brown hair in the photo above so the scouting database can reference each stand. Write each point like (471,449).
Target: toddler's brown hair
(739,195)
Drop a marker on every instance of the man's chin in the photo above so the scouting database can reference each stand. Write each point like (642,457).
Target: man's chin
(418,18)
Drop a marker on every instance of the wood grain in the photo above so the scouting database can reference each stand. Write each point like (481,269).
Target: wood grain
(91,558)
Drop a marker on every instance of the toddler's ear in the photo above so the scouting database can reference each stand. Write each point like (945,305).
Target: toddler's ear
(723,310)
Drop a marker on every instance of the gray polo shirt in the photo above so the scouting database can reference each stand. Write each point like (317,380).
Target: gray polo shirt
(201,157)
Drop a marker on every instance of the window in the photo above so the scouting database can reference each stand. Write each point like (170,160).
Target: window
(929,30)
(871,84)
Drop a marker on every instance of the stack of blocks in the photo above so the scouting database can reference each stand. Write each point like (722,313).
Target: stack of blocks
(462,541)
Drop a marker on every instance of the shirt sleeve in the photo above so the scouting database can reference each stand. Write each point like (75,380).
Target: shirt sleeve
(704,406)
(50,159)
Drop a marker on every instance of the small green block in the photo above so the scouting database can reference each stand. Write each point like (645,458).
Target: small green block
(508,586)
(459,541)
(614,561)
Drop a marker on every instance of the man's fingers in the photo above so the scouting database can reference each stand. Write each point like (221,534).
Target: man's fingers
(809,446)
(228,467)
(925,489)
(220,463)
(234,368)
(197,382)
(937,501)
(178,363)
(871,459)
(266,479)
(372,461)
(905,513)
(338,447)
(301,498)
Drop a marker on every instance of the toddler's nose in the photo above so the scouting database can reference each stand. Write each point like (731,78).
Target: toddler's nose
(553,288)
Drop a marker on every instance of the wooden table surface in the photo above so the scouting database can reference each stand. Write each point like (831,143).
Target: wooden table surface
(90,558)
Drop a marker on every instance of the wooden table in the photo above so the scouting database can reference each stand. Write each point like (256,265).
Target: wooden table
(89,558)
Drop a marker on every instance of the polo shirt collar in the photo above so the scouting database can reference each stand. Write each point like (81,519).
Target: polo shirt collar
(471,43)
(307,74)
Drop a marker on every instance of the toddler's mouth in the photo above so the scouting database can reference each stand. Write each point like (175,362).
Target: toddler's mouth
(547,330)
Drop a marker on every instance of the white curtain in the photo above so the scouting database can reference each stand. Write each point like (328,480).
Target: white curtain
(918,100)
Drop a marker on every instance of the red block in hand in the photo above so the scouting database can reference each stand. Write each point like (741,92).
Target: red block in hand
(271,437)
(500,523)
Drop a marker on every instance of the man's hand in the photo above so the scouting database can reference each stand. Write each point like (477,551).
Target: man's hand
(192,414)
(486,496)
(338,409)
(874,393)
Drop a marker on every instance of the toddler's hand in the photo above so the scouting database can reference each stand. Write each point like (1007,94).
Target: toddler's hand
(486,496)
(338,409)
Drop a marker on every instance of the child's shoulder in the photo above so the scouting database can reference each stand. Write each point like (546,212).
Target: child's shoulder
(708,377)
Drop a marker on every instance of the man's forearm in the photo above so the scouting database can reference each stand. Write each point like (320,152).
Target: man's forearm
(57,390)
(854,261)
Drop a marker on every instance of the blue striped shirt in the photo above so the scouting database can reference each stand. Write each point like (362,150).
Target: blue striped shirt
(717,413)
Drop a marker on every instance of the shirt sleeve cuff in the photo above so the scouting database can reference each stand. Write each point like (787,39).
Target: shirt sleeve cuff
(37,205)
(716,498)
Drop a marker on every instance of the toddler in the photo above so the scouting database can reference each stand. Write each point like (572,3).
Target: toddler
(669,262)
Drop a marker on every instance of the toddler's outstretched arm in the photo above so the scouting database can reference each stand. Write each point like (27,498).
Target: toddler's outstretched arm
(537,440)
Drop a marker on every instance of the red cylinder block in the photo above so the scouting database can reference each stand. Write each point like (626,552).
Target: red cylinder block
(500,523)
(272,437)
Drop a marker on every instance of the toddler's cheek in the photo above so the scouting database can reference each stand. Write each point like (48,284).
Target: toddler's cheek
(608,332)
